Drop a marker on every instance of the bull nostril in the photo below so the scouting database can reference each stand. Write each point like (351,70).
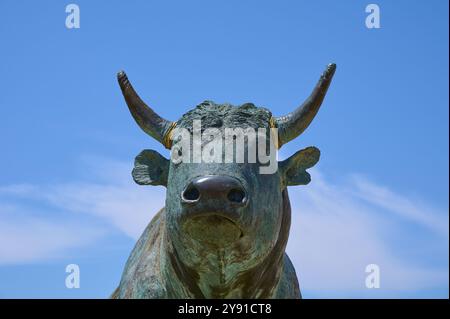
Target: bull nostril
(236,195)
(191,194)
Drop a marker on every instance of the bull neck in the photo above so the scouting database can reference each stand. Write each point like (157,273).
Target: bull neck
(259,281)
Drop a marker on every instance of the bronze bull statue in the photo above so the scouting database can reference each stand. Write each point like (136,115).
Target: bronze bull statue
(224,228)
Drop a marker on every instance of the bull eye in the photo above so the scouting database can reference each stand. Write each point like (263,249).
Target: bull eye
(191,193)
(236,195)
(217,123)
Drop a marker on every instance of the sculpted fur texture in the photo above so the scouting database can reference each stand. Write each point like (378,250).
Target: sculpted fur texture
(225,226)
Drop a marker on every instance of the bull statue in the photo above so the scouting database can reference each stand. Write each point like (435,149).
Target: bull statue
(225,226)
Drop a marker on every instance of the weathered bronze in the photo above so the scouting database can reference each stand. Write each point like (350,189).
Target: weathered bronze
(224,228)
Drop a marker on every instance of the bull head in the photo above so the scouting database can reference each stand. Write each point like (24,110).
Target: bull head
(226,216)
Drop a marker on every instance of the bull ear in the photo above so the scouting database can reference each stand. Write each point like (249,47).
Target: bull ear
(150,168)
(294,168)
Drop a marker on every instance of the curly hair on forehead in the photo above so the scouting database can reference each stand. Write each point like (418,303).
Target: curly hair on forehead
(226,115)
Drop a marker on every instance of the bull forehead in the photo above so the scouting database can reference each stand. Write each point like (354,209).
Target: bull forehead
(221,116)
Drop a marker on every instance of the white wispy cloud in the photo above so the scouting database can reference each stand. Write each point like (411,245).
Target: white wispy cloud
(114,197)
(409,208)
(337,228)
(25,238)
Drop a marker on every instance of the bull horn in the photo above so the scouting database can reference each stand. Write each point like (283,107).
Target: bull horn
(292,125)
(150,122)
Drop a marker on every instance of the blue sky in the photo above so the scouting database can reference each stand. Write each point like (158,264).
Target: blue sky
(379,193)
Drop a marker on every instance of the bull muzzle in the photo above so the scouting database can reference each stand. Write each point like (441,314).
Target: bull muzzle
(218,188)
(212,208)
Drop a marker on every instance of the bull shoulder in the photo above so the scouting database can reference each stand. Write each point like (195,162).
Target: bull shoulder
(141,277)
(288,287)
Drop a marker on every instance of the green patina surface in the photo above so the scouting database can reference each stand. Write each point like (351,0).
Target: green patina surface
(211,247)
